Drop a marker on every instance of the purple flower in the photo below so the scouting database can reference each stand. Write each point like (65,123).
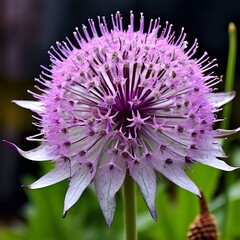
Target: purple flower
(126,102)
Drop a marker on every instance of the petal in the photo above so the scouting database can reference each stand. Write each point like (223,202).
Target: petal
(177,175)
(219,99)
(78,183)
(58,174)
(42,153)
(215,149)
(211,146)
(108,180)
(210,160)
(224,132)
(31,105)
(146,179)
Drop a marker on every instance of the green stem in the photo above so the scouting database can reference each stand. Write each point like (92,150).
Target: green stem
(227,109)
(130,208)
(230,73)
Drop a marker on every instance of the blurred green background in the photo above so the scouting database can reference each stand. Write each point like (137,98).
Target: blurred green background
(27,29)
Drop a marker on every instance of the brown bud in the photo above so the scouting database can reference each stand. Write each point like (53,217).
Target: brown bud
(204,226)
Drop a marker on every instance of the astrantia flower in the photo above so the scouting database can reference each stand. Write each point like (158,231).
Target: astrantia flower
(121,102)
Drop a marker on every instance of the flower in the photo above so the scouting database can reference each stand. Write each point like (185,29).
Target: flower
(126,102)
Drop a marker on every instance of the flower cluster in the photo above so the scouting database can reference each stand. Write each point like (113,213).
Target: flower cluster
(125,102)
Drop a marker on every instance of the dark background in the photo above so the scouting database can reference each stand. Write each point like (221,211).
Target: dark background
(28,28)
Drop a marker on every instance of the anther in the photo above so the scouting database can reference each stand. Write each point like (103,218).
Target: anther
(186,103)
(115,151)
(91,84)
(91,121)
(196,89)
(111,166)
(57,98)
(64,130)
(71,102)
(125,154)
(193,146)
(178,106)
(202,131)
(90,165)
(91,133)
(82,153)
(192,116)
(194,134)
(67,144)
(180,129)
(163,147)
(103,133)
(188,159)
(66,159)
(168,161)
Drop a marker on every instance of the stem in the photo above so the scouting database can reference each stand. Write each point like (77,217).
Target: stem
(130,208)
(227,109)
(230,73)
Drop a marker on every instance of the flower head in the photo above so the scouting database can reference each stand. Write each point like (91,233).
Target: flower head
(125,102)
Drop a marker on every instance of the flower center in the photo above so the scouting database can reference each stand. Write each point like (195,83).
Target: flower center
(129,113)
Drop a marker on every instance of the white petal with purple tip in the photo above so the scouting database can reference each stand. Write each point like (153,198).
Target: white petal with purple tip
(31,105)
(78,183)
(178,176)
(107,181)
(224,132)
(42,153)
(146,180)
(212,161)
(58,174)
(219,99)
